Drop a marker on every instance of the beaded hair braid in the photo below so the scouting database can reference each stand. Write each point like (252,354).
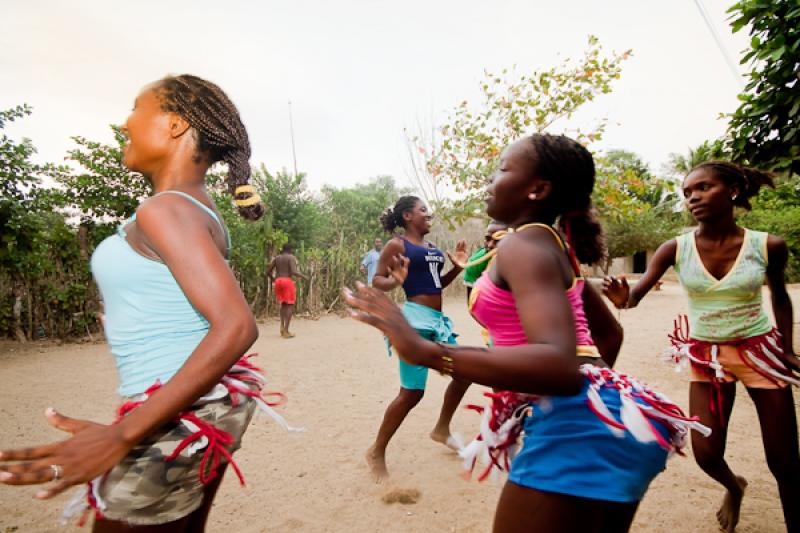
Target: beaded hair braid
(219,131)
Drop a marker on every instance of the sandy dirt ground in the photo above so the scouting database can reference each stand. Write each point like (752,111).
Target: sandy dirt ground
(339,380)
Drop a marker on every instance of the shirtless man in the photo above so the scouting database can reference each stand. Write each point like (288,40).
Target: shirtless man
(285,267)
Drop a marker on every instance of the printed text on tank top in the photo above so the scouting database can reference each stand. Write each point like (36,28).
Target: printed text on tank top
(424,269)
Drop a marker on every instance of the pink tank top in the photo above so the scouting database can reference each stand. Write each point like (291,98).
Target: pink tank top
(495,309)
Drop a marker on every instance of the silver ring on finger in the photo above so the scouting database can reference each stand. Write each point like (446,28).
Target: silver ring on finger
(57,471)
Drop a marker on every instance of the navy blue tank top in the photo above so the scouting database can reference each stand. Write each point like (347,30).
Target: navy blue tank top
(424,268)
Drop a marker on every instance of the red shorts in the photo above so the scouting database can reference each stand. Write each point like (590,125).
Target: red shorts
(285,290)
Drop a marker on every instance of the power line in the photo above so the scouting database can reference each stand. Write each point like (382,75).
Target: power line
(732,65)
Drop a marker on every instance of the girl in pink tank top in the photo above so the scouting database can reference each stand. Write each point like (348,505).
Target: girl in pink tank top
(595,438)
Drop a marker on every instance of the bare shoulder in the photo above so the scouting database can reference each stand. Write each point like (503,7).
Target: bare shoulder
(776,244)
(160,214)
(394,246)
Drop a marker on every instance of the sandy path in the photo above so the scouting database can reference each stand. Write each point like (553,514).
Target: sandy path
(339,379)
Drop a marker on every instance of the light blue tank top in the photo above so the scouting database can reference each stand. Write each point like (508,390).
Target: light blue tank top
(150,324)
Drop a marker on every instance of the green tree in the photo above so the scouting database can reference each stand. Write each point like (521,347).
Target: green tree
(679,165)
(512,106)
(44,281)
(354,211)
(100,187)
(291,208)
(637,208)
(777,211)
(765,130)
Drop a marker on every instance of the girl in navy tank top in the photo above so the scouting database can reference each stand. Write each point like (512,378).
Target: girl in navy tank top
(416,265)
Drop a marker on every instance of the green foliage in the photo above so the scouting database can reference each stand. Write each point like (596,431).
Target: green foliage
(777,211)
(512,106)
(637,208)
(356,209)
(44,277)
(290,207)
(765,130)
(103,188)
(679,165)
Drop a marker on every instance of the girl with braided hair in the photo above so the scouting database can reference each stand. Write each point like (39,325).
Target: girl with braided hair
(178,326)
(728,336)
(595,438)
(415,264)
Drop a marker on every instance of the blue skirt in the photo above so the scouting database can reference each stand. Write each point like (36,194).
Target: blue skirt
(569,450)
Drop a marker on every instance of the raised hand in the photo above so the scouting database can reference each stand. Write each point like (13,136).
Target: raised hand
(459,257)
(398,268)
(373,307)
(93,449)
(617,291)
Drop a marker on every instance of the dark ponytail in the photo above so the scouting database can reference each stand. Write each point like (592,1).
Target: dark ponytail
(570,168)
(747,180)
(584,234)
(392,218)
(220,134)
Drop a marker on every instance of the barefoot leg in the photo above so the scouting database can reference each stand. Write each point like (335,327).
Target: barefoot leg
(709,452)
(395,414)
(776,414)
(452,397)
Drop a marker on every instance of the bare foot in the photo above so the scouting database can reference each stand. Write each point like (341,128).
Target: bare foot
(452,441)
(728,514)
(377,465)
(286,335)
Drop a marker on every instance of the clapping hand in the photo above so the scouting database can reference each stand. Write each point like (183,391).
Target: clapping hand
(398,268)
(617,290)
(459,257)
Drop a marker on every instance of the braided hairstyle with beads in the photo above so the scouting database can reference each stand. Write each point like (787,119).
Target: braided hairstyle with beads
(218,129)
(747,180)
(569,167)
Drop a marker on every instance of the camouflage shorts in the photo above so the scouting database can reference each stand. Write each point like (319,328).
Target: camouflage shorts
(146,489)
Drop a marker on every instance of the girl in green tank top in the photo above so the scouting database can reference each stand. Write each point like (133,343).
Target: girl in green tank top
(722,267)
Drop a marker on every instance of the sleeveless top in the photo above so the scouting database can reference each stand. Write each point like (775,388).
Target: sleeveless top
(730,308)
(151,326)
(424,269)
(496,310)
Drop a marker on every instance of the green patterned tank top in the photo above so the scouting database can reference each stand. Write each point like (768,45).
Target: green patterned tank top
(729,308)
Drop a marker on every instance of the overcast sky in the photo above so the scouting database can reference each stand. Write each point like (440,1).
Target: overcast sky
(358,72)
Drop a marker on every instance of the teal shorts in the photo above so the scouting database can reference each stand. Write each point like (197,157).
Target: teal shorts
(432,325)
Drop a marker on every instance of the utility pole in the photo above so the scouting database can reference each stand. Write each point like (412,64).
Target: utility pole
(291,133)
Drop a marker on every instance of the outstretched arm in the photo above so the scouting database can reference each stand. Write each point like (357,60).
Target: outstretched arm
(547,365)
(178,233)
(617,290)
